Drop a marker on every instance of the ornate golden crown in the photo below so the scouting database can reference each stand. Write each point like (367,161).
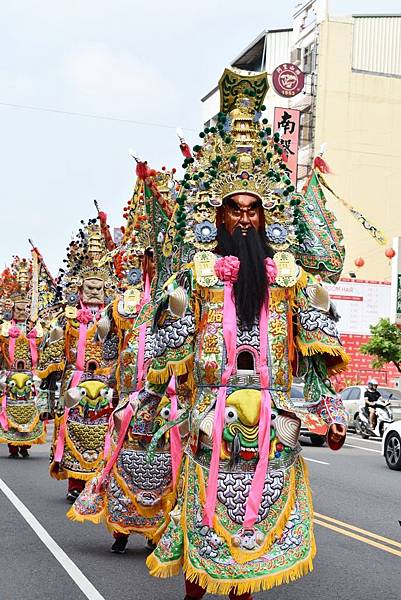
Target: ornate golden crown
(240,154)
(15,282)
(87,257)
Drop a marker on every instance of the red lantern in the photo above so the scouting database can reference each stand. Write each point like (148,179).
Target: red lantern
(359,262)
(390,253)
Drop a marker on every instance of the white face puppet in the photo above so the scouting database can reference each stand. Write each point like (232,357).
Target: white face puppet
(93,291)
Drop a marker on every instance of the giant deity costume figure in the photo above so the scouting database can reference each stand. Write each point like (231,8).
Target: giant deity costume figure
(82,346)
(21,416)
(131,494)
(243,315)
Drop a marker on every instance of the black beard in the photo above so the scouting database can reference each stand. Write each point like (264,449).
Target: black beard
(251,287)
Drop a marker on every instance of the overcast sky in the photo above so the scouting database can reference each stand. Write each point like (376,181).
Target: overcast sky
(143,61)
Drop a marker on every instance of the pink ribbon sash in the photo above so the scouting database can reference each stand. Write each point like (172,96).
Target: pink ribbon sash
(107,439)
(33,347)
(175,437)
(230,339)
(76,378)
(14,334)
(128,414)
(258,481)
(142,337)
(3,414)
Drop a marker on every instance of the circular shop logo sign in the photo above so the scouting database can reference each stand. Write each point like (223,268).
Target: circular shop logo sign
(288,80)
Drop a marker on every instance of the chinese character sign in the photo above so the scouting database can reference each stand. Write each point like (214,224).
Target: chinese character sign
(286,122)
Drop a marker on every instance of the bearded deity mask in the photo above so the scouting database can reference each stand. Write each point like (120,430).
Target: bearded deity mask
(93,291)
(20,310)
(242,211)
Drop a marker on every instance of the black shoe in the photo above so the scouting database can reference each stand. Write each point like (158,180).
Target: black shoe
(119,545)
(24,452)
(13,456)
(72,496)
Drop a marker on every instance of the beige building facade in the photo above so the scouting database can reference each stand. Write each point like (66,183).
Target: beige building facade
(351,102)
(358,115)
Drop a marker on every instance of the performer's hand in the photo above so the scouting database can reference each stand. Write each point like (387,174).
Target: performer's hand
(336,436)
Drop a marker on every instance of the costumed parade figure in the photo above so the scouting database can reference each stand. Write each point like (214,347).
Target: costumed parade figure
(21,416)
(132,494)
(82,347)
(250,315)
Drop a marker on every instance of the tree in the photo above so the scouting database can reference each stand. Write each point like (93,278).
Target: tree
(384,345)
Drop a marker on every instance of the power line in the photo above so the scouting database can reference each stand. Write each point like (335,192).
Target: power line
(89,115)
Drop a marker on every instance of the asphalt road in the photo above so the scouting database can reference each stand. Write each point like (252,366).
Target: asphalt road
(353,491)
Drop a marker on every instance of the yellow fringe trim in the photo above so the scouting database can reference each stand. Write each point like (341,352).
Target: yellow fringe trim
(157,569)
(17,426)
(319,348)
(172,368)
(244,556)
(51,369)
(59,474)
(102,517)
(120,321)
(251,585)
(240,586)
(73,515)
(64,473)
(39,440)
(151,532)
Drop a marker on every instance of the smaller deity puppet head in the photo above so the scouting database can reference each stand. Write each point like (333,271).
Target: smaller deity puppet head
(20,310)
(93,291)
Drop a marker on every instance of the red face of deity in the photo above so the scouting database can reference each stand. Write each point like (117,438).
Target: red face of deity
(242,211)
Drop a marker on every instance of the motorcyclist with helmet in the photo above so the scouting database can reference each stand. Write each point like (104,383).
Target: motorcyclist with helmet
(371,397)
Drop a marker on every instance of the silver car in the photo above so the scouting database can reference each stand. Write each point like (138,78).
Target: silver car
(353,398)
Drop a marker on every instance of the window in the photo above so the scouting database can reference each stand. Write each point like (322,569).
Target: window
(387,392)
(355,394)
(345,394)
(297,392)
(306,127)
(308,59)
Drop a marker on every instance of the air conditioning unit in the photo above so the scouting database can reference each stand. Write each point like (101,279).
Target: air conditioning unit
(296,56)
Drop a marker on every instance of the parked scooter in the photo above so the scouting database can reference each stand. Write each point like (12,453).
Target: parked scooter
(384,415)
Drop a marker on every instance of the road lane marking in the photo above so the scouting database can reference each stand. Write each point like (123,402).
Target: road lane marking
(68,565)
(321,462)
(356,437)
(362,448)
(359,530)
(360,538)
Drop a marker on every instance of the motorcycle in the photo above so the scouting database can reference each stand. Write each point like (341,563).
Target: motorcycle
(384,416)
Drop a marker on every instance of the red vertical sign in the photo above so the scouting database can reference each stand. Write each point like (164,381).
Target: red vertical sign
(286,122)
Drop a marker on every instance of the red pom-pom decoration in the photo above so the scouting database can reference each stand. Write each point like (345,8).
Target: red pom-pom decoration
(142,170)
(390,253)
(359,262)
(321,165)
